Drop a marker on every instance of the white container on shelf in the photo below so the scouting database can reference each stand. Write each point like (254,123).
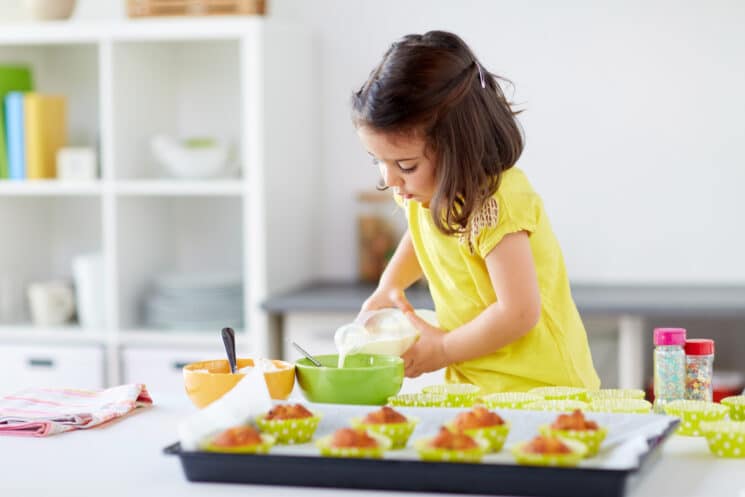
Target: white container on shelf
(88,272)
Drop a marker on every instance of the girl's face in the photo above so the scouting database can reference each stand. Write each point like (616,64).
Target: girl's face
(403,163)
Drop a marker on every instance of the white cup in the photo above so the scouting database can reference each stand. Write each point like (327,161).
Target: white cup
(52,303)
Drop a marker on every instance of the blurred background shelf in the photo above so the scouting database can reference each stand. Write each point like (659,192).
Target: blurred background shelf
(126,82)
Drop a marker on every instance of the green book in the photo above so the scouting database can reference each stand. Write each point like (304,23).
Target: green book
(12,78)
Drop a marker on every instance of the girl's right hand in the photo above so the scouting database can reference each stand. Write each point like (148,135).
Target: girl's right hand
(387,297)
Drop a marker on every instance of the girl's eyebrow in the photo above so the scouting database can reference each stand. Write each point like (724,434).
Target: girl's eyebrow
(395,160)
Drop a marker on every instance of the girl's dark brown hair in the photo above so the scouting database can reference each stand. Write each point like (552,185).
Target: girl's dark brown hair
(433,84)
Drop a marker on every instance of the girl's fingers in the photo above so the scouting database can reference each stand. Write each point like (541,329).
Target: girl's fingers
(401,301)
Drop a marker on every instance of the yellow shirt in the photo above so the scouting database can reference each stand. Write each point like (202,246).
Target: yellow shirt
(556,351)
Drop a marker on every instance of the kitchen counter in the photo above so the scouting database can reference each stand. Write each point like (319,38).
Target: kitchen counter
(630,305)
(126,458)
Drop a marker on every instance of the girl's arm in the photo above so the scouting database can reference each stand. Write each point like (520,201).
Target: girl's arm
(517,310)
(401,272)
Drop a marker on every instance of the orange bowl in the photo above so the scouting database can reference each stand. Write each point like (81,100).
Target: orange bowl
(207,381)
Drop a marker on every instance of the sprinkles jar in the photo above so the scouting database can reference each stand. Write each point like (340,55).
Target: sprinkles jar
(699,369)
(669,366)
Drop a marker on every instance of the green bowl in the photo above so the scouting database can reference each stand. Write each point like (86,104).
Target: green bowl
(692,413)
(725,438)
(456,394)
(736,405)
(366,379)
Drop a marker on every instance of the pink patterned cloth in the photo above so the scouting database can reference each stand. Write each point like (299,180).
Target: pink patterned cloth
(40,412)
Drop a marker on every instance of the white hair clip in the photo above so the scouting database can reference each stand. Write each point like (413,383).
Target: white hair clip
(481,75)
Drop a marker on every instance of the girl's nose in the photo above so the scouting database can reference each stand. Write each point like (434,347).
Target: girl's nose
(390,178)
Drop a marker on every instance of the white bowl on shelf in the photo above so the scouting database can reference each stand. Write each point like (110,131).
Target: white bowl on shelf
(47,10)
(192,159)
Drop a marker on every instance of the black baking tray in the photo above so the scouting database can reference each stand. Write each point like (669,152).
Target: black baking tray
(416,476)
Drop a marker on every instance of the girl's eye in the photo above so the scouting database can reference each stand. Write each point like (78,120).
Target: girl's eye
(407,169)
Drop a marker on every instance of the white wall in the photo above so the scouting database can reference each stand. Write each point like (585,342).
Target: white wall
(634,121)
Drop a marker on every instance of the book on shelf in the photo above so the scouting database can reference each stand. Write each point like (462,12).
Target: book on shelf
(14,135)
(45,132)
(12,78)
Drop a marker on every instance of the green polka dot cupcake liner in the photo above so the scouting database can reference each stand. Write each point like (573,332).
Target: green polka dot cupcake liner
(456,394)
(578,452)
(557,405)
(615,393)
(592,439)
(417,400)
(725,438)
(267,442)
(324,445)
(289,431)
(509,400)
(494,436)
(692,413)
(625,406)
(736,405)
(397,433)
(560,393)
(434,454)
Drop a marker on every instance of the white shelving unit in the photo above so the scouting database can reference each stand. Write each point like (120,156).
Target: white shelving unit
(250,80)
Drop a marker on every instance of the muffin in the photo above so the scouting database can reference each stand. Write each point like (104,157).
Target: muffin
(289,423)
(547,450)
(242,439)
(481,423)
(388,422)
(575,426)
(351,442)
(451,446)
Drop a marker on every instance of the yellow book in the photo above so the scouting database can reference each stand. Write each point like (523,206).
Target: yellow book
(45,126)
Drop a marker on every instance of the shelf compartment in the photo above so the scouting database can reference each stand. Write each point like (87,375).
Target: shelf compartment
(177,88)
(41,237)
(179,188)
(72,70)
(172,235)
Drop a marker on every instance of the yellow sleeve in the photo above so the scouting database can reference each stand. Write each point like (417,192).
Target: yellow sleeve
(516,211)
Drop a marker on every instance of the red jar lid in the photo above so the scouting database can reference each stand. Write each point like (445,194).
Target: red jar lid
(699,346)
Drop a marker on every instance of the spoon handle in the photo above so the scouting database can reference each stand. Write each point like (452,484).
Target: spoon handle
(307,355)
(228,339)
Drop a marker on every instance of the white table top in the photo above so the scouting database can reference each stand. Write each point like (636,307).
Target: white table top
(126,458)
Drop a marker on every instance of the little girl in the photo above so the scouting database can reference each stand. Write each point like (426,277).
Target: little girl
(445,139)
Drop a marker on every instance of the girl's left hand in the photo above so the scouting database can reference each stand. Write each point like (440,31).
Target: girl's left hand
(428,353)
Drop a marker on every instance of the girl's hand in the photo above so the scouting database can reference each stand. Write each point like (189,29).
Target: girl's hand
(386,297)
(428,353)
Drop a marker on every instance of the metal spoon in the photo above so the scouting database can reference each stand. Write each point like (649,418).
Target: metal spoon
(307,355)
(228,339)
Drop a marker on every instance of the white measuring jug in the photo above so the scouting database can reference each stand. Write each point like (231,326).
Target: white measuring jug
(383,331)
